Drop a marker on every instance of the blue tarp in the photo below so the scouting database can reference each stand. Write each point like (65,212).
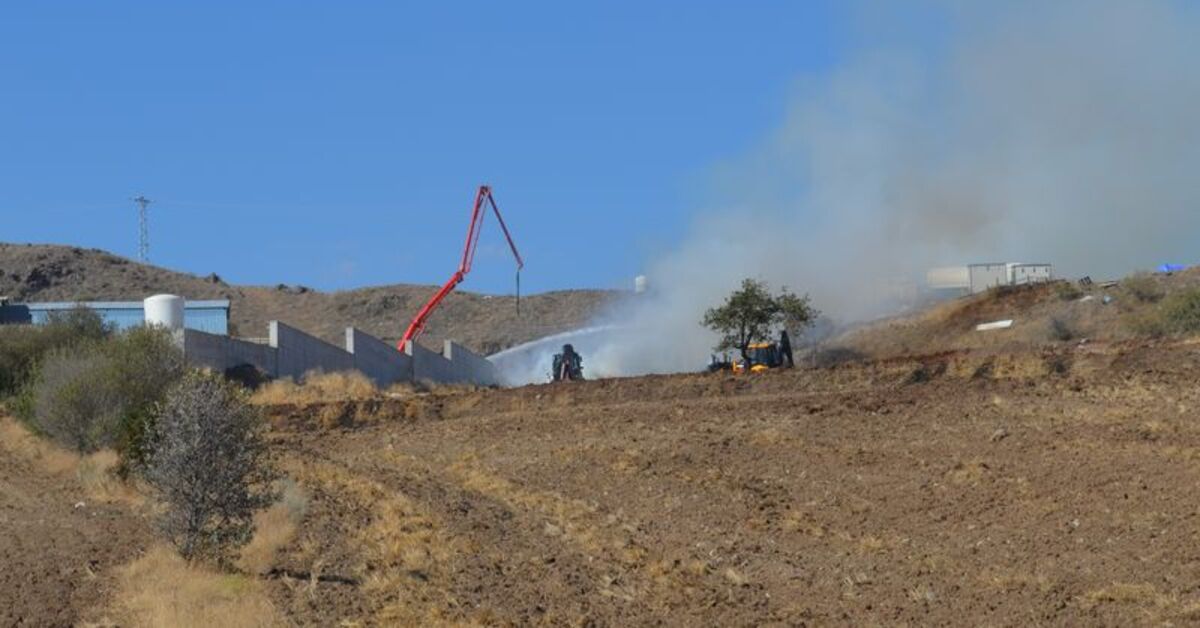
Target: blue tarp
(1171,268)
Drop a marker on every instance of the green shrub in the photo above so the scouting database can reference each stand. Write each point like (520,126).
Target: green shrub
(96,394)
(23,346)
(1143,287)
(1146,322)
(1181,312)
(1067,291)
(145,363)
(74,400)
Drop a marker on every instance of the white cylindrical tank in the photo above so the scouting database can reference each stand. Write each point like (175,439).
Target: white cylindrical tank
(164,310)
(639,284)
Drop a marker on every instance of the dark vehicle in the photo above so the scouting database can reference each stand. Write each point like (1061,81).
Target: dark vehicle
(717,365)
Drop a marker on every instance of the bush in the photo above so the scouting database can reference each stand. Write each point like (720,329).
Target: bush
(210,462)
(1060,330)
(89,395)
(1143,287)
(1067,291)
(1146,322)
(1181,312)
(74,400)
(145,363)
(23,347)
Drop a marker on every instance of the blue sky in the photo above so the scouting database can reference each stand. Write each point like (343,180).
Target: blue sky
(339,144)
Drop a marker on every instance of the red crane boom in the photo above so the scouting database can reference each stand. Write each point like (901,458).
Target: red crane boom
(483,199)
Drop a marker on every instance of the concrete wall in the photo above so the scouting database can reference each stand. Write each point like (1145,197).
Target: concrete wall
(292,353)
(430,366)
(468,366)
(220,352)
(380,361)
(299,353)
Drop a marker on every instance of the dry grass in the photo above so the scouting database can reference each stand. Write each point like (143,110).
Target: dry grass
(161,589)
(17,440)
(407,553)
(1146,599)
(1145,595)
(274,528)
(1011,581)
(605,538)
(316,388)
(970,472)
(94,472)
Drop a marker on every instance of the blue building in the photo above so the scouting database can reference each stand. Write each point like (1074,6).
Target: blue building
(207,316)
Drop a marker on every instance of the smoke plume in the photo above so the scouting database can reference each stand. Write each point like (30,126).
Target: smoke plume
(1061,132)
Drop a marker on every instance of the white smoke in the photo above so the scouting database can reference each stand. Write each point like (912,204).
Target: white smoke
(1065,132)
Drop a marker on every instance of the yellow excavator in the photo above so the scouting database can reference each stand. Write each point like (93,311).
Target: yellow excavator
(760,357)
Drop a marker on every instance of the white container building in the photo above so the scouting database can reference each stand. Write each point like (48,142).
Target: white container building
(976,278)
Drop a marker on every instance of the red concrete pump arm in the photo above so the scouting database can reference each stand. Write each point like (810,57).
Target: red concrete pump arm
(483,199)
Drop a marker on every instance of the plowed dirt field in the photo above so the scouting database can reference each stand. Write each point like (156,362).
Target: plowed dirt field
(59,543)
(958,489)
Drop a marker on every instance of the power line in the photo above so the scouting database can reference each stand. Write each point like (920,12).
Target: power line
(143,229)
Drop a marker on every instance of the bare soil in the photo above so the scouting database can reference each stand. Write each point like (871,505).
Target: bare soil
(1051,487)
(58,546)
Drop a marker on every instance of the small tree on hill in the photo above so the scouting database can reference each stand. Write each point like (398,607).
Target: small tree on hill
(752,314)
(209,460)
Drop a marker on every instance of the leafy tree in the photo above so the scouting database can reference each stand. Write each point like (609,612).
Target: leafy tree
(752,314)
(210,462)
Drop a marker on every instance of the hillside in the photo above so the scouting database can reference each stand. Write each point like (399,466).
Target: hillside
(1049,314)
(481,322)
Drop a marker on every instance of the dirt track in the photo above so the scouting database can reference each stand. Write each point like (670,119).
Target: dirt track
(58,545)
(961,489)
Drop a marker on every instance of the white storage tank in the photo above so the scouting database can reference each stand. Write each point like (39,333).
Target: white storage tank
(164,310)
(639,284)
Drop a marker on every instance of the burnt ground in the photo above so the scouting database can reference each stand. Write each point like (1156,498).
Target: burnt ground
(58,545)
(1034,488)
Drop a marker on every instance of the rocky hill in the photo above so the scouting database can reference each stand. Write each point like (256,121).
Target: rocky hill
(481,322)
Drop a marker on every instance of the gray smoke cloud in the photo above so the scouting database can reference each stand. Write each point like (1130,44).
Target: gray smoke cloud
(1063,132)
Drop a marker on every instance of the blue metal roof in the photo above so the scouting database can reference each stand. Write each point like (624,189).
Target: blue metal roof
(210,316)
(121,305)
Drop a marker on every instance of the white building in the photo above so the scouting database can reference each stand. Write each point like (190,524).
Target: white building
(975,278)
